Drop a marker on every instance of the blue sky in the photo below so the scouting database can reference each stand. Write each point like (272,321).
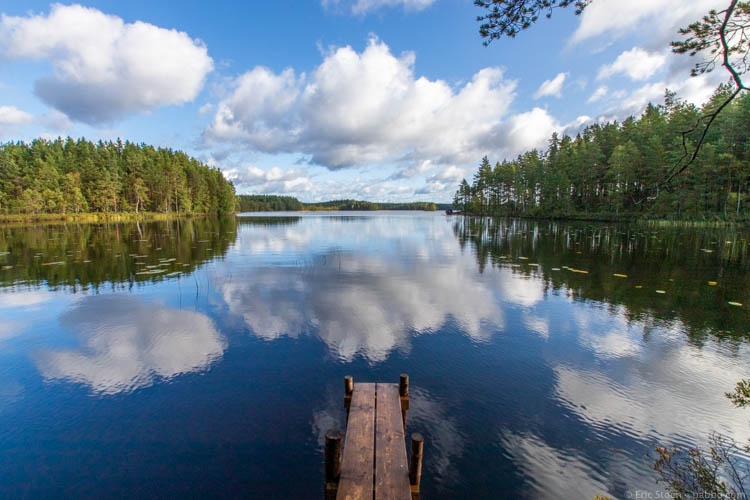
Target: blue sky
(385,100)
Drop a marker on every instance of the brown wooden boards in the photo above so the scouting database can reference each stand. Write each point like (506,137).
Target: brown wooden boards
(356,481)
(391,466)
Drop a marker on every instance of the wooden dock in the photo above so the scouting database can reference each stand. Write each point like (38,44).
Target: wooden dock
(373,464)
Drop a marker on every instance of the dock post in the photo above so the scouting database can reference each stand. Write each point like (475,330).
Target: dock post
(333,463)
(403,392)
(348,391)
(415,466)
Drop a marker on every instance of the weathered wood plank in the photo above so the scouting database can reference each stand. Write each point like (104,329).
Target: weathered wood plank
(391,465)
(356,481)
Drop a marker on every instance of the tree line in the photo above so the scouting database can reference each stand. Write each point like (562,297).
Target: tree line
(619,169)
(273,203)
(68,176)
(267,203)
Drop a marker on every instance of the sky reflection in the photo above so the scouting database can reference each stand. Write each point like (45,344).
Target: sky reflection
(125,343)
(555,382)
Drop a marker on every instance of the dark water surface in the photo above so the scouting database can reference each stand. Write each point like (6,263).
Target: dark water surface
(206,358)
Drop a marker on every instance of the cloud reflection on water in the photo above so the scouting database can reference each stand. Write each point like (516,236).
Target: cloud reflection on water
(656,387)
(553,472)
(363,301)
(127,343)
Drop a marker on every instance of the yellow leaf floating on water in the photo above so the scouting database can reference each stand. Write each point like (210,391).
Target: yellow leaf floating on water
(639,286)
(53,263)
(737,304)
(706,250)
(712,283)
(620,275)
(580,271)
(660,291)
(555,268)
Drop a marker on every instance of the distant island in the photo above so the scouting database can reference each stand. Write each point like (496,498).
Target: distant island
(272,203)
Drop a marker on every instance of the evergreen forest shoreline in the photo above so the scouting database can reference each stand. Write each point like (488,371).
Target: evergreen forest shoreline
(623,171)
(92,217)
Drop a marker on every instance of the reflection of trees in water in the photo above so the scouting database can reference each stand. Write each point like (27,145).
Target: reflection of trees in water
(680,259)
(266,221)
(88,255)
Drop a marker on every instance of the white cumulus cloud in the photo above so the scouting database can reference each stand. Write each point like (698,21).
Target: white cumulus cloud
(10,115)
(613,18)
(104,68)
(363,109)
(636,63)
(551,87)
(529,130)
(598,94)
(273,180)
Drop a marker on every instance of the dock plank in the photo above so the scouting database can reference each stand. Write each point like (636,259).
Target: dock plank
(391,465)
(357,465)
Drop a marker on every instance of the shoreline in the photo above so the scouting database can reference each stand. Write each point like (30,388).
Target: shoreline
(118,217)
(91,217)
(624,219)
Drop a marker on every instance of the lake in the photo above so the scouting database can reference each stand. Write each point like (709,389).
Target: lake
(206,357)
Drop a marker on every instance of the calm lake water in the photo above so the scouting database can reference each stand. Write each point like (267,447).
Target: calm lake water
(206,358)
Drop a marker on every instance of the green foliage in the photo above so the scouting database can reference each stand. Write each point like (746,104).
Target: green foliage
(616,169)
(271,203)
(66,176)
(730,27)
(509,17)
(343,205)
(267,203)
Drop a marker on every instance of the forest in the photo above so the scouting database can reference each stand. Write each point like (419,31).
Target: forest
(272,203)
(267,203)
(621,170)
(67,176)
